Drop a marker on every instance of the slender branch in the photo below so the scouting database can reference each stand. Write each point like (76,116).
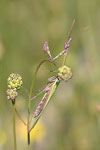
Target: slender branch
(20,117)
(14,128)
(67,44)
(28,134)
(71,29)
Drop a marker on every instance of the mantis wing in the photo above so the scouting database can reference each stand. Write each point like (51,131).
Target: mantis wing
(45,100)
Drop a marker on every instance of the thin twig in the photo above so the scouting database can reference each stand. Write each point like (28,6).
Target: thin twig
(66,45)
(20,117)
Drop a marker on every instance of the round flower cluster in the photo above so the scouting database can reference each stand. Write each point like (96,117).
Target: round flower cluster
(14,81)
(65,73)
(11,93)
(14,84)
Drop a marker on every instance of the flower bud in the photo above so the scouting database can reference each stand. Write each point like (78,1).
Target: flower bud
(64,73)
(11,94)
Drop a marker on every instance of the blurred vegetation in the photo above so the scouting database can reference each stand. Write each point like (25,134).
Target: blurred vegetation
(72,119)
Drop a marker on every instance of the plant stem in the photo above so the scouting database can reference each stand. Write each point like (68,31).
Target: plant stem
(20,117)
(64,59)
(14,128)
(28,133)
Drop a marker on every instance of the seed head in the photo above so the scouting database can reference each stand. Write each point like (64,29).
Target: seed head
(65,73)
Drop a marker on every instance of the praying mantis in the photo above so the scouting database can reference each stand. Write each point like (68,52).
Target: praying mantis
(64,73)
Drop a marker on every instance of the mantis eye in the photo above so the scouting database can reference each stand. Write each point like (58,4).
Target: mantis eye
(65,73)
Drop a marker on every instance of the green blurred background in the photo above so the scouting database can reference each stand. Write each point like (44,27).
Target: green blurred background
(72,119)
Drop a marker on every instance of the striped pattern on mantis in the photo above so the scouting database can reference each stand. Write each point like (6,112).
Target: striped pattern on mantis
(64,73)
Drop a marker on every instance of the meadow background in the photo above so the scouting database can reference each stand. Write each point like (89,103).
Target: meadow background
(72,119)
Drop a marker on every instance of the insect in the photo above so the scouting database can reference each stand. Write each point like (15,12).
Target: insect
(64,73)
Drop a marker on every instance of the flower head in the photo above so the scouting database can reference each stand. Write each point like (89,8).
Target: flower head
(14,81)
(65,73)
(11,94)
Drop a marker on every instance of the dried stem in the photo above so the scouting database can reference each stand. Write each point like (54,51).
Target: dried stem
(67,44)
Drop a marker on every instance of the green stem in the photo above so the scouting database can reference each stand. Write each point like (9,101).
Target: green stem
(28,116)
(20,117)
(30,95)
(14,128)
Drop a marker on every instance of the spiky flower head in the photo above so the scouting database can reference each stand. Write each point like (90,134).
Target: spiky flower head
(11,94)
(65,73)
(14,81)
